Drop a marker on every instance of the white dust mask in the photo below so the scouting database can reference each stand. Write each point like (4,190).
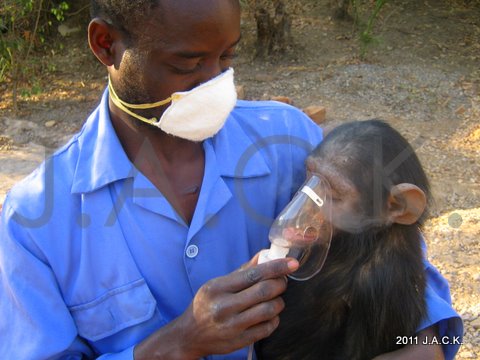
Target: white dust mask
(193,115)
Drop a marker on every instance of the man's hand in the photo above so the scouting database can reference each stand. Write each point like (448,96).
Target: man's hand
(227,314)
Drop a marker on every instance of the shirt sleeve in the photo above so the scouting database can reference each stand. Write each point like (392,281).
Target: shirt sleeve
(35,321)
(441,313)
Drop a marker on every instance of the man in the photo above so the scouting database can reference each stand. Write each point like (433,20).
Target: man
(125,243)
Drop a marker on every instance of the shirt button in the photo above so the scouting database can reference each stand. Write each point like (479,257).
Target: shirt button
(192,251)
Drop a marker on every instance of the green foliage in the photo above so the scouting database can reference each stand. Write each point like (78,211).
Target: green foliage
(4,64)
(59,10)
(372,9)
(24,26)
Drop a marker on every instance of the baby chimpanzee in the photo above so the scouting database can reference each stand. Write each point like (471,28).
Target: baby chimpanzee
(371,288)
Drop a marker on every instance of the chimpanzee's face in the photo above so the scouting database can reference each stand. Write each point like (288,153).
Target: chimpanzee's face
(347,211)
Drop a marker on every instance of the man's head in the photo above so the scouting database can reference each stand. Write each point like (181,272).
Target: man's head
(153,48)
(124,15)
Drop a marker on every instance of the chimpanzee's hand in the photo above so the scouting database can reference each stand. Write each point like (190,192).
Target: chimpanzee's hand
(227,314)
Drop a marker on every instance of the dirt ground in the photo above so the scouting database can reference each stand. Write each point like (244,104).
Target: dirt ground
(423,77)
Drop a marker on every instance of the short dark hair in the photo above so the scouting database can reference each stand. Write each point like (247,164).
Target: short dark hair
(125,15)
(374,144)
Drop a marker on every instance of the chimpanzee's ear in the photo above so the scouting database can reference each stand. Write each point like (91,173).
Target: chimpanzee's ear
(405,204)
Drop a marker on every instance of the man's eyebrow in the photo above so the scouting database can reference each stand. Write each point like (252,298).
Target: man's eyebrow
(197,54)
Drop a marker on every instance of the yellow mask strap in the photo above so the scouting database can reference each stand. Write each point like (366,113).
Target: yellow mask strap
(125,106)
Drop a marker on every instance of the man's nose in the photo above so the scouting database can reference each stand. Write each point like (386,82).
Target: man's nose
(212,69)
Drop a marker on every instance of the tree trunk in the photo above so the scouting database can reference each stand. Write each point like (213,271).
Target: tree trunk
(342,11)
(273,27)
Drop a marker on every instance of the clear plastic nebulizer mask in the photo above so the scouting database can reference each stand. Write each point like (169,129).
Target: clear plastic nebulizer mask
(303,230)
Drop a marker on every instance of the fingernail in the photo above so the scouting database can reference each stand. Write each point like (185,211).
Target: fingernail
(292,265)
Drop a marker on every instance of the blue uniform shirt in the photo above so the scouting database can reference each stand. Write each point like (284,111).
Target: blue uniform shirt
(93,258)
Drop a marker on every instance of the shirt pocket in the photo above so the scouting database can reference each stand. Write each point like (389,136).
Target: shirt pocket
(118,309)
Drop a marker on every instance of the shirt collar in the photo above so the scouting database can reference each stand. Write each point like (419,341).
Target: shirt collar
(102,159)
(240,157)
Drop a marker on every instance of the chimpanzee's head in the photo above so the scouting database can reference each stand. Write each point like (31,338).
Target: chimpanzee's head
(375,176)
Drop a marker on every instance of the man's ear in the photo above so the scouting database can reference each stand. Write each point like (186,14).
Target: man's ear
(405,204)
(105,41)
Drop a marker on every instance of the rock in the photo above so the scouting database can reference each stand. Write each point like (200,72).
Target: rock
(50,123)
(476,277)
(316,113)
(284,99)
(264,78)
(476,323)
(65,30)
(240,92)
(460,110)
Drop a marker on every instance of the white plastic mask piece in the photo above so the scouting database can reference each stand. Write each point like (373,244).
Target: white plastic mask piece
(303,230)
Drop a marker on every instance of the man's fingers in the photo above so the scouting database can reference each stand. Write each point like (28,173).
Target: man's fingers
(260,331)
(246,277)
(263,291)
(261,312)
(252,262)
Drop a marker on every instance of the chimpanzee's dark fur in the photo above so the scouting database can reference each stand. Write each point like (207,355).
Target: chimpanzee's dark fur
(371,288)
